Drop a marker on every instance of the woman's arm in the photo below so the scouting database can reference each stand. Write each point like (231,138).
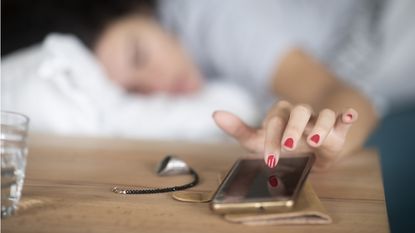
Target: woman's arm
(301,79)
(292,125)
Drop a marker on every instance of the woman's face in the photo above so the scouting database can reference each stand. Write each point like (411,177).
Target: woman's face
(141,57)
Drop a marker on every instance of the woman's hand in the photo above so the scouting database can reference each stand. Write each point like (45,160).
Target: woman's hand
(289,128)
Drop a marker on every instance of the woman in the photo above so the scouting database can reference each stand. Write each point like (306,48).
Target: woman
(156,61)
(293,51)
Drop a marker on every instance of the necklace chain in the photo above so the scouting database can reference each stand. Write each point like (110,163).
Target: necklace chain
(160,190)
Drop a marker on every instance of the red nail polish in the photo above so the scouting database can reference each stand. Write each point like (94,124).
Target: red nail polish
(315,138)
(350,116)
(271,161)
(289,142)
(273,181)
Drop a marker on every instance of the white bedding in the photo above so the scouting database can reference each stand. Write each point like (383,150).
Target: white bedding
(63,90)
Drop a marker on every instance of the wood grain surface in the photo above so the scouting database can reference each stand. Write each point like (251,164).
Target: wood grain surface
(69,180)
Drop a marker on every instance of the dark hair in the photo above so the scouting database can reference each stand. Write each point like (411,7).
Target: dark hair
(25,22)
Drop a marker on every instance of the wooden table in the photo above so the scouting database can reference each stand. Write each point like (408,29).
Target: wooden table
(69,180)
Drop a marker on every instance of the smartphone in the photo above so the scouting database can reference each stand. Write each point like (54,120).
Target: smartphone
(251,186)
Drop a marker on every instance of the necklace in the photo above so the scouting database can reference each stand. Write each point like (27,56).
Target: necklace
(170,165)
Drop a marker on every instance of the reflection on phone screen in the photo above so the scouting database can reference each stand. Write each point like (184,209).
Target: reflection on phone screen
(254,181)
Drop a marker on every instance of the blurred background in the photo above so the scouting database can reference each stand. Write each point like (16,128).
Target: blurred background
(25,23)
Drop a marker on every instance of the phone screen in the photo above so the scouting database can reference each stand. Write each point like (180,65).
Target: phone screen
(251,180)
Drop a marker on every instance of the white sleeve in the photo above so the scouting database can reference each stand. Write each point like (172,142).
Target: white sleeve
(377,56)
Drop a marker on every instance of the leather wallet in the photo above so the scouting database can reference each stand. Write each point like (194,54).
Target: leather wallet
(307,210)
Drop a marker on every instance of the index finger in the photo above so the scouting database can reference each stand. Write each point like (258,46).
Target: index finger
(247,136)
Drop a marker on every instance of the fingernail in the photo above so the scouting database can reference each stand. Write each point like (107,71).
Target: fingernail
(271,161)
(289,142)
(350,116)
(315,138)
(273,181)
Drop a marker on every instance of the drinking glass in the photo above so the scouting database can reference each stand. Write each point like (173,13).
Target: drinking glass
(14,128)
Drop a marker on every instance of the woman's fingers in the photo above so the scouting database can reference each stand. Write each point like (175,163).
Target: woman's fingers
(334,141)
(324,124)
(273,134)
(299,117)
(235,127)
(345,121)
(284,127)
(281,108)
(274,126)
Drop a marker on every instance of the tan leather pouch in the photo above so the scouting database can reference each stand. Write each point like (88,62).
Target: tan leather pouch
(307,210)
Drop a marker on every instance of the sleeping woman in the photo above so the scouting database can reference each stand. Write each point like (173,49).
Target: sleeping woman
(317,72)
